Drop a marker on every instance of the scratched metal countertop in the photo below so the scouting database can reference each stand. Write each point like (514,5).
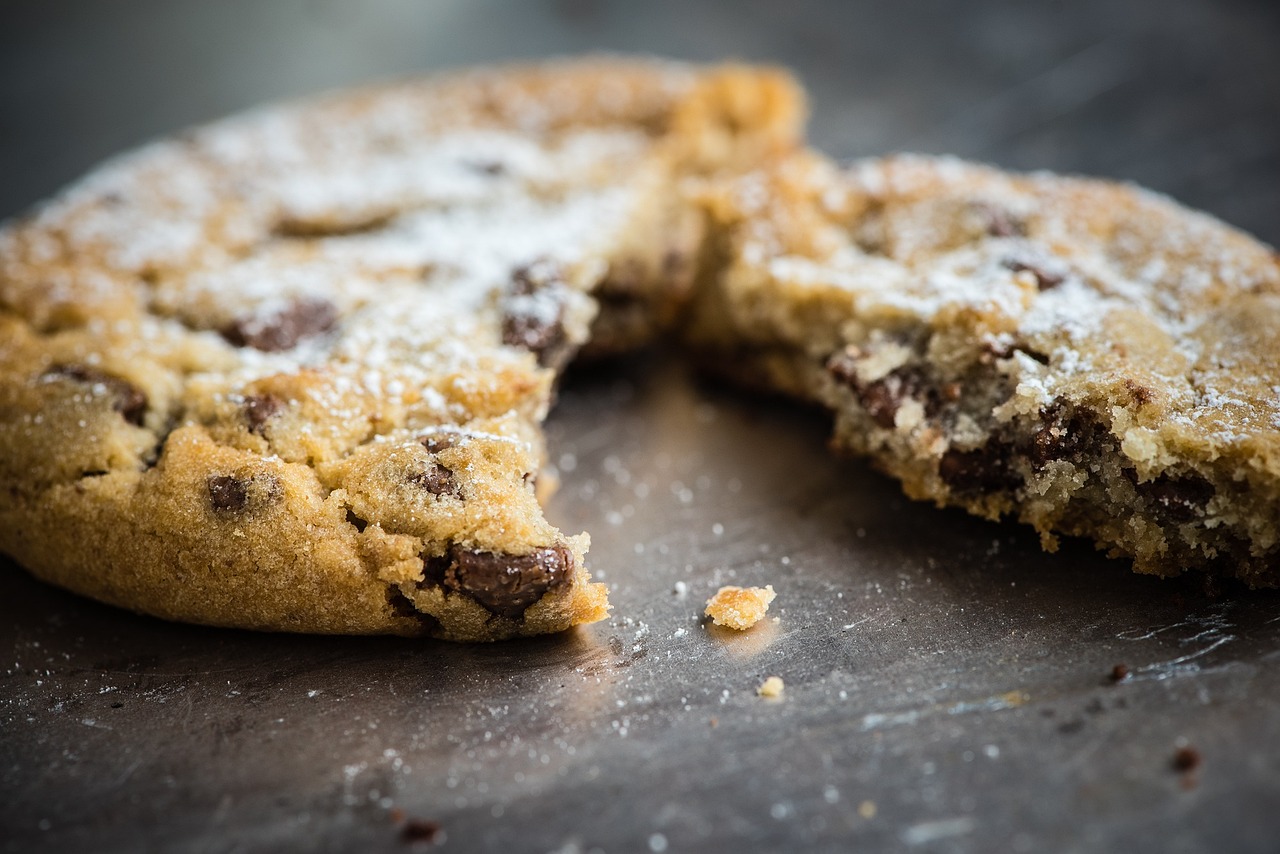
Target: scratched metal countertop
(947,683)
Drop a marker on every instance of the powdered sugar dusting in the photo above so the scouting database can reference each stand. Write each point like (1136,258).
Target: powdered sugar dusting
(1061,266)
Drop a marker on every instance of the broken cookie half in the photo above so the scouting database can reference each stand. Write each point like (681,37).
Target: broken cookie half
(1089,358)
(287,371)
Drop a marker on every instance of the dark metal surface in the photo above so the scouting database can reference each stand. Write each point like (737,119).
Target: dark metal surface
(947,683)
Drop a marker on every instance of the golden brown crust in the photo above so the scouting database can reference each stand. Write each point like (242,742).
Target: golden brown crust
(287,371)
(1086,356)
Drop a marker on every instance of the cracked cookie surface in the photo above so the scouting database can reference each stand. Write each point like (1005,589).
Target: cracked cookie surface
(1087,357)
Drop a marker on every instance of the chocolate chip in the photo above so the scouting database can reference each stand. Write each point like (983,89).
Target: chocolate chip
(439,441)
(1065,434)
(227,494)
(533,277)
(417,830)
(1045,279)
(1182,498)
(505,584)
(232,494)
(434,570)
(883,398)
(435,479)
(261,408)
(994,350)
(533,315)
(1141,394)
(284,329)
(1186,759)
(986,469)
(539,330)
(843,366)
(127,399)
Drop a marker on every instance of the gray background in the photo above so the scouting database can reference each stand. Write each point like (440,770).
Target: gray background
(938,667)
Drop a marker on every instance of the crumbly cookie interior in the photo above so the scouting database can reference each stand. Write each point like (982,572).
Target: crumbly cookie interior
(1088,358)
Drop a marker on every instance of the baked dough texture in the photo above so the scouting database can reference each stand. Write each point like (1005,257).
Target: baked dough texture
(287,371)
(1087,357)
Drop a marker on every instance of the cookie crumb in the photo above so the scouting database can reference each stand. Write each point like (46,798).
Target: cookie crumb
(1119,673)
(867,809)
(739,607)
(772,687)
(1186,759)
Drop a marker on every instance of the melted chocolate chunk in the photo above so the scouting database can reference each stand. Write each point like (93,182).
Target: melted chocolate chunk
(126,398)
(504,584)
(1182,498)
(985,469)
(884,397)
(434,569)
(436,479)
(261,408)
(231,494)
(533,316)
(1063,436)
(1045,280)
(284,329)
(227,494)
(843,366)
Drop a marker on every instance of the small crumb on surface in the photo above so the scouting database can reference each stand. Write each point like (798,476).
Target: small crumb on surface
(1186,759)
(739,607)
(867,809)
(771,687)
(1119,673)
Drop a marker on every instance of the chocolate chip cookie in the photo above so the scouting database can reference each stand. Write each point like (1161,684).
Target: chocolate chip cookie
(1087,357)
(287,371)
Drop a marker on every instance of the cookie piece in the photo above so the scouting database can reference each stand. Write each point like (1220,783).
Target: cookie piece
(1087,357)
(287,371)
